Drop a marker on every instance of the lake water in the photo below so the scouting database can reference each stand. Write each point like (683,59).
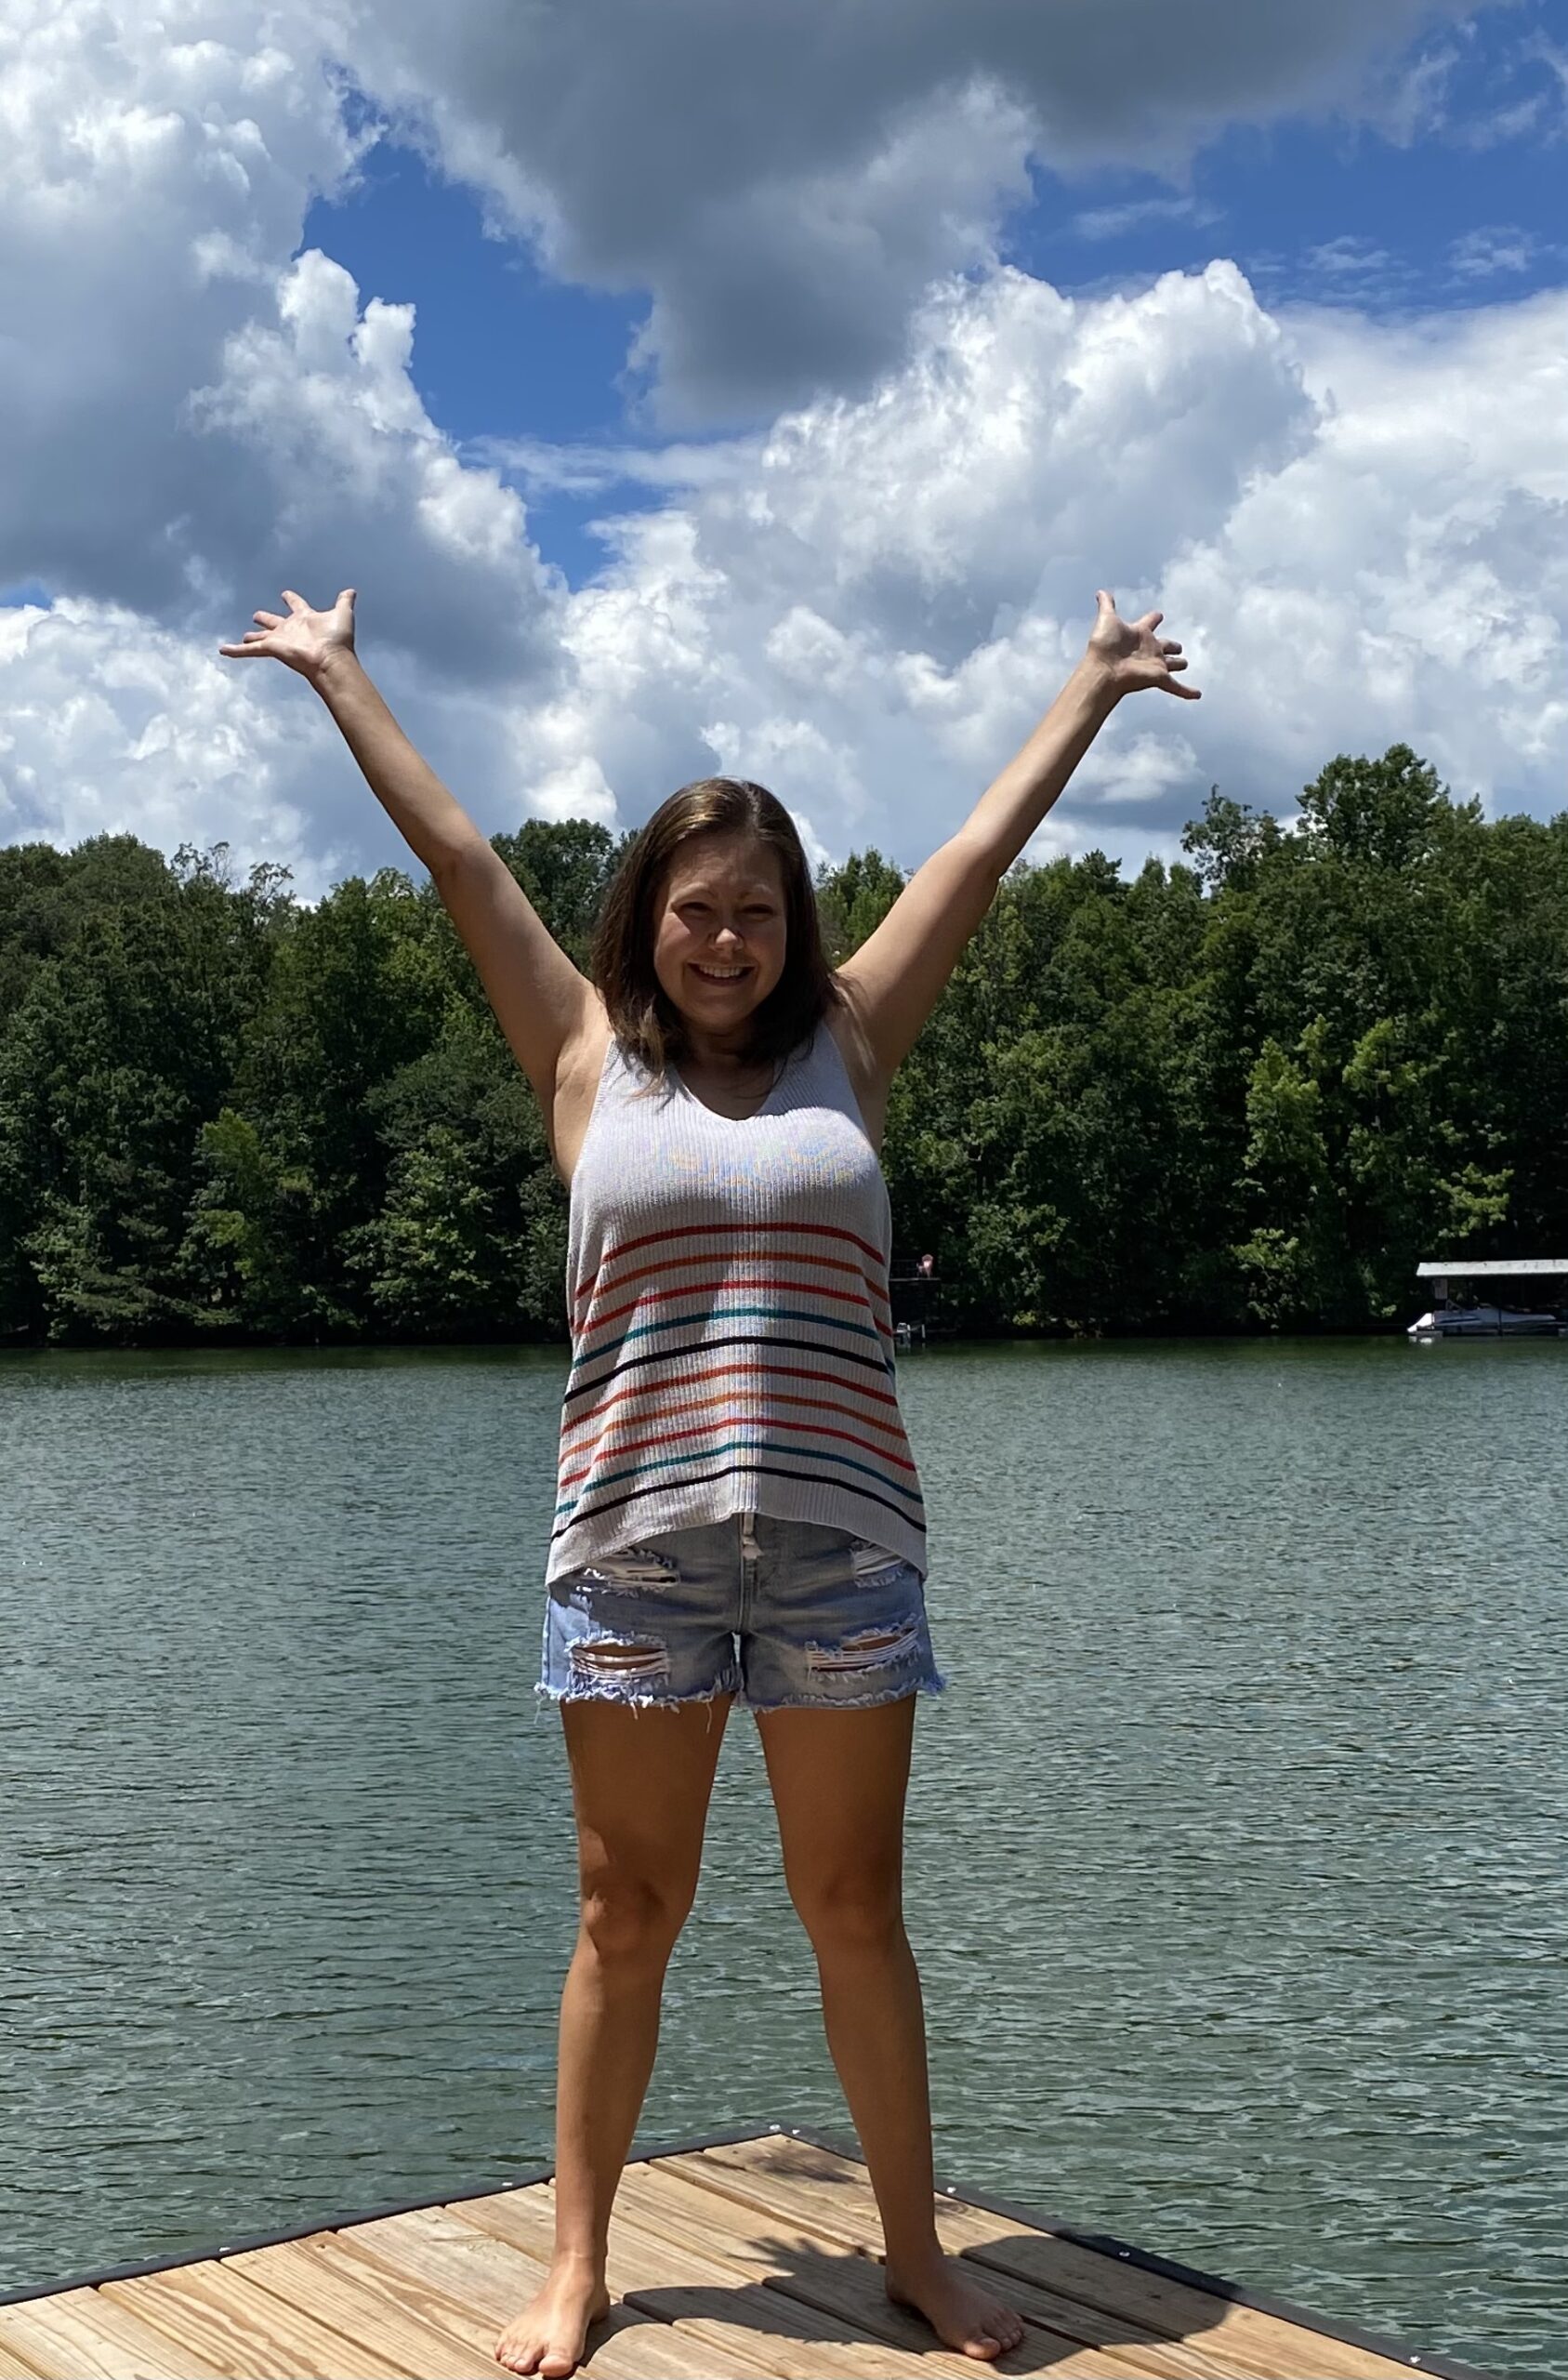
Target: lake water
(1237,1844)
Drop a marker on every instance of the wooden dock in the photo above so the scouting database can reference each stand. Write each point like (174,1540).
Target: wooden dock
(729,2259)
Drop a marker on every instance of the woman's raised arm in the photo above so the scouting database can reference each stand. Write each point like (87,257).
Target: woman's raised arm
(896,977)
(540,1001)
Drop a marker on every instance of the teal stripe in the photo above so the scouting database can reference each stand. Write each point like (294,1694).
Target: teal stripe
(725,1313)
(737,1446)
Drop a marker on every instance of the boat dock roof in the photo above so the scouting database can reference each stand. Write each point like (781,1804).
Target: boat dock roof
(1472,1268)
(730,2258)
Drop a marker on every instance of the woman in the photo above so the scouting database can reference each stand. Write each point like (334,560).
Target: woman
(739,1515)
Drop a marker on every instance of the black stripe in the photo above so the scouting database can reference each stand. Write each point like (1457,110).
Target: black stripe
(701,1347)
(762,1470)
(583,1354)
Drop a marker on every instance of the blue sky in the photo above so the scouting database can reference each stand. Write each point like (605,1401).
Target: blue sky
(503,350)
(805,385)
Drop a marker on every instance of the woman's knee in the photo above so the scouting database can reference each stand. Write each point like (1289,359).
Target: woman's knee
(633,1918)
(859,1910)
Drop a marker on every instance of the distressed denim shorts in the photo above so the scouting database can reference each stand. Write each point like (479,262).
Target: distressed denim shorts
(778,1613)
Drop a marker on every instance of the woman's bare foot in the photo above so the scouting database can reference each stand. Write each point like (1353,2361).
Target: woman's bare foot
(962,2312)
(549,2336)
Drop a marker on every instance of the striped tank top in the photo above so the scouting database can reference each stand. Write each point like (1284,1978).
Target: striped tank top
(732,1338)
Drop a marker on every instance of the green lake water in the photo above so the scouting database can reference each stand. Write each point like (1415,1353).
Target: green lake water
(1237,1846)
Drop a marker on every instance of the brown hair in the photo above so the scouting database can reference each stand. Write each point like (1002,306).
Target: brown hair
(641,1017)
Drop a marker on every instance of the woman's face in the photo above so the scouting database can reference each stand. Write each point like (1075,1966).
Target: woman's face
(720,929)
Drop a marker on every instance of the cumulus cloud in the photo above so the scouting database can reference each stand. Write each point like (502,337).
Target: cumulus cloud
(193,408)
(1357,532)
(193,421)
(149,185)
(193,415)
(351,475)
(110,726)
(787,178)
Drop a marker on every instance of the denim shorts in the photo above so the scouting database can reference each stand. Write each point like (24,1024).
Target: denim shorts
(777,1613)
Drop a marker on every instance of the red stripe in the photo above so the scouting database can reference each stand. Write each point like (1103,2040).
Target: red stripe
(664,1390)
(707,1256)
(690,1231)
(728,1281)
(673,1437)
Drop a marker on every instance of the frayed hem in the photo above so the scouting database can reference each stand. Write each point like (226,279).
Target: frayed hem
(558,1694)
(932,1686)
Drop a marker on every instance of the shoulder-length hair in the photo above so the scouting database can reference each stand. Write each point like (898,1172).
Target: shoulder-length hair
(642,1018)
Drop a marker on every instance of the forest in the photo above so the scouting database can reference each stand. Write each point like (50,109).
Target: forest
(1247,1091)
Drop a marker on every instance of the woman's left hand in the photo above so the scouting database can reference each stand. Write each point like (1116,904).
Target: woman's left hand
(1132,655)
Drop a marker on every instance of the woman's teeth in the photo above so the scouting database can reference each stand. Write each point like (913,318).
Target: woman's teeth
(720,974)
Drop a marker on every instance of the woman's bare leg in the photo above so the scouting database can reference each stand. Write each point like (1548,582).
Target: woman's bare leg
(641,1785)
(839,1780)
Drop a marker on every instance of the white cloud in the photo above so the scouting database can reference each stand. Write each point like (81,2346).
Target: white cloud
(1352,271)
(1417,100)
(110,726)
(1535,77)
(787,178)
(1111,223)
(1492,248)
(1355,531)
(193,419)
(148,185)
(361,486)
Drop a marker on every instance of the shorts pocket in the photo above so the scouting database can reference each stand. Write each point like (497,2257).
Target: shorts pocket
(872,1565)
(635,1569)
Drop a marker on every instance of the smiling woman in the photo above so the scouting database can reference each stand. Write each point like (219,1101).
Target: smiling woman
(738,1513)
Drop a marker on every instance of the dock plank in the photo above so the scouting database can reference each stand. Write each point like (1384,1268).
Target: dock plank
(242,2330)
(81,2335)
(842,2323)
(362,2308)
(482,2282)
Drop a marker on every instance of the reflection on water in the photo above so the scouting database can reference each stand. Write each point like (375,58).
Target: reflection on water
(1236,1872)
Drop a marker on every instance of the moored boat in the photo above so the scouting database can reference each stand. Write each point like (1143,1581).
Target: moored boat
(1487,1322)
(1542,1278)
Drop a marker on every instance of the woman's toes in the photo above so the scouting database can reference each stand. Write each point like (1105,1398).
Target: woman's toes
(958,2306)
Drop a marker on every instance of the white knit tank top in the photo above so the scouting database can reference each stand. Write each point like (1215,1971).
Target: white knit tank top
(731,1340)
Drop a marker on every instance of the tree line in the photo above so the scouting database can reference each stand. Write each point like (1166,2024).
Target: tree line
(1249,1090)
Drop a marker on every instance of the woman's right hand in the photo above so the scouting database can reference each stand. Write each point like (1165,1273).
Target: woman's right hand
(306,641)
